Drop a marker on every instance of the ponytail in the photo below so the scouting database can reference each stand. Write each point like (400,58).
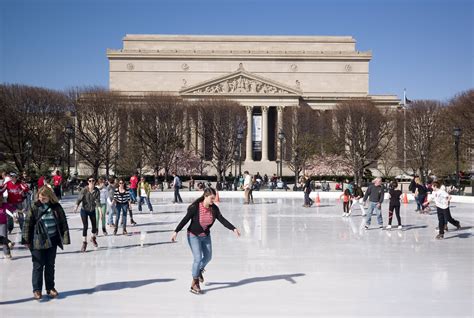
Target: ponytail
(207,192)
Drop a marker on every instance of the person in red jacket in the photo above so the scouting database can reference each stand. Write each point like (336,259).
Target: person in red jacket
(16,191)
(57,182)
(133,187)
(41,182)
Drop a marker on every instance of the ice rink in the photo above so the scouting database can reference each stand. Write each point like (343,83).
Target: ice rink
(290,261)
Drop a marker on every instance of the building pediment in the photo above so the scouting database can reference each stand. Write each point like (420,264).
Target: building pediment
(240,83)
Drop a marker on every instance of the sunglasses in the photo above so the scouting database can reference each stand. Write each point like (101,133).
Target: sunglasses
(91,180)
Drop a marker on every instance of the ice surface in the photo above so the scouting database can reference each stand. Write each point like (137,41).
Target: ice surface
(289,261)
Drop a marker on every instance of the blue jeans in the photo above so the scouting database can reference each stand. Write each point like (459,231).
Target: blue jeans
(121,207)
(133,194)
(148,203)
(112,211)
(378,211)
(177,196)
(201,247)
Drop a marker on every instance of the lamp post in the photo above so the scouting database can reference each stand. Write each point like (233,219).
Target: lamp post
(69,134)
(457,135)
(240,136)
(201,166)
(281,137)
(28,154)
(236,157)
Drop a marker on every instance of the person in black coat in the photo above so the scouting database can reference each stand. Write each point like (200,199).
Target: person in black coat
(202,213)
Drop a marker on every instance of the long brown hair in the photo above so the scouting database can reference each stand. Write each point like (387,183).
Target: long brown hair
(47,192)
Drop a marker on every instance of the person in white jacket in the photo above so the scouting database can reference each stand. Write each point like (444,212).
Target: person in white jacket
(247,187)
(441,199)
(110,202)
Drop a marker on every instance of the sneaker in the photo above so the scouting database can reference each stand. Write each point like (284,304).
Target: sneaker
(94,241)
(349,214)
(125,232)
(366,227)
(381,226)
(446,228)
(388,227)
(458,227)
(364,214)
(10,245)
(343,214)
(400,227)
(439,236)
(134,223)
(37,294)
(201,277)
(84,247)
(115,231)
(8,256)
(195,288)
(104,231)
(53,293)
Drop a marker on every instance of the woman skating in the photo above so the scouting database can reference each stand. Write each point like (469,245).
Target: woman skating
(202,213)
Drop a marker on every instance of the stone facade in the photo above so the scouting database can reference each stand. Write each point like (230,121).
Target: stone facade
(260,72)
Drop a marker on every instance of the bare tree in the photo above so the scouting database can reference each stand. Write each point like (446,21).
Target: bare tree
(157,124)
(97,124)
(221,121)
(461,114)
(422,133)
(34,123)
(362,132)
(303,137)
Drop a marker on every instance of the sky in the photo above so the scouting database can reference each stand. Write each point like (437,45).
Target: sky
(425,46)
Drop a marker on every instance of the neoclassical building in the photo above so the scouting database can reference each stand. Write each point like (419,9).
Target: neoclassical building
(265,74)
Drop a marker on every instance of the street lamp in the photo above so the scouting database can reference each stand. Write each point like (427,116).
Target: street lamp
(240,136)
(281,137)
(236,157)
(28,154)
(457,135)
(69,134)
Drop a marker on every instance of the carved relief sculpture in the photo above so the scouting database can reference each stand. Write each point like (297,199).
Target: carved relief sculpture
(241,85)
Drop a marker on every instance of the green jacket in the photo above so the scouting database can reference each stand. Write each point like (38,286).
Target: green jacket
(145,185)
(61,224)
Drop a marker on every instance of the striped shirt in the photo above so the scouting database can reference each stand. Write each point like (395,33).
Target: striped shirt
(205,218)
(49,222)
(121,197)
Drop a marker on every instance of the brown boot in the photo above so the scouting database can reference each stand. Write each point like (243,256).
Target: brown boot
(201,276)
(94,241)
(195,288)
(37,294)
(53,293)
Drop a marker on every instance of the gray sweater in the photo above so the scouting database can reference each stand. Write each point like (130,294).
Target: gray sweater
(375,194)
(90,200)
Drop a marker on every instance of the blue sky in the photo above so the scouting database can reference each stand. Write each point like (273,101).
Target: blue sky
(425,46)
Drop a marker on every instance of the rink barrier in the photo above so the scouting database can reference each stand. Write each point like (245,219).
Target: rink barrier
(333,195)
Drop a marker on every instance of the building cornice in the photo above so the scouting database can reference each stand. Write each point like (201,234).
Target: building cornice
(239,38)
(241,54)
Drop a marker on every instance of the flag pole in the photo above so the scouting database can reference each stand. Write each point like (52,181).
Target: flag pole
(404,130)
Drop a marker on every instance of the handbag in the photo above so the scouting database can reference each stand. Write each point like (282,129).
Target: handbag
(41,240)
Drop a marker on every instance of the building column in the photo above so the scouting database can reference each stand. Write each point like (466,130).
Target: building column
(265,133)
(200,134)
(187,139)
(248,156)
(279,128)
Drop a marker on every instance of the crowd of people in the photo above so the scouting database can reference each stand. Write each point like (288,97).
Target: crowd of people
(107,202)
